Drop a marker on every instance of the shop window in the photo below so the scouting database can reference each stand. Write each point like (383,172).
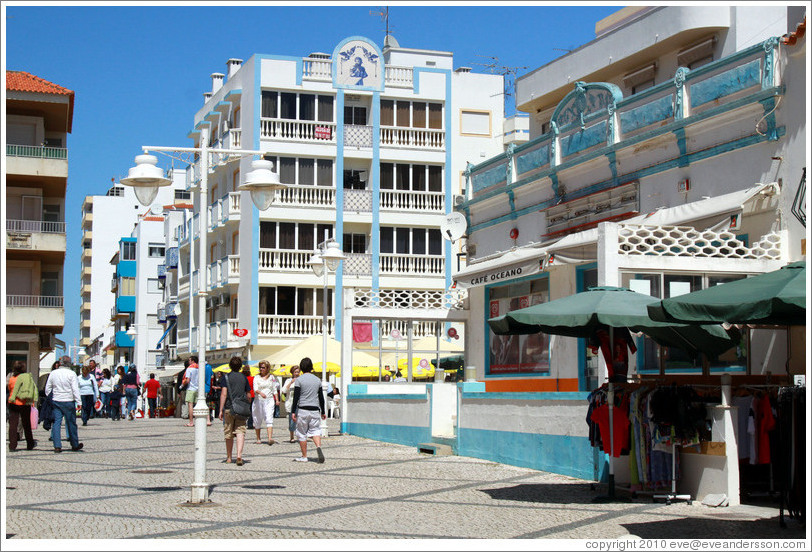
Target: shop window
(518,354)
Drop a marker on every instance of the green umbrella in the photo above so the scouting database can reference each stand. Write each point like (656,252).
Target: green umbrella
(773,298)
(582,314)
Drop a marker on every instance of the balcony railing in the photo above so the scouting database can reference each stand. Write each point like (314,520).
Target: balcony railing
(307,196)
(415,138)
(399,76)
(407,200)
(317,69)
(35,226)
(292,325)
(40,301)
(359,201)
(297,131)
(401,264)
(358,136)
(358,264)
(42,152)
(285,260)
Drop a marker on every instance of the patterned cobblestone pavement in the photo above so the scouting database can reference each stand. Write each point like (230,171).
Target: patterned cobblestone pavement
(132,481)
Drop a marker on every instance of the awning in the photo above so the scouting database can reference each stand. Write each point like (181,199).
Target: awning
(516,263)
(714,212)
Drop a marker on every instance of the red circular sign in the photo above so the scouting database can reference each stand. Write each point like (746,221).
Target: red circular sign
(240,332)
(452,332)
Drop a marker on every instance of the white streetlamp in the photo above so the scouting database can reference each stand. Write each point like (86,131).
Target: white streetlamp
(146,178)
(325,260)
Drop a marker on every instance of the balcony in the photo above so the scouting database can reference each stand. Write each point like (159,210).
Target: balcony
(36,161)
(36,235)
(285,260)
(407,200)
(307,196)
(171,258)
(183,285)
(359,136)
(35,310)
(161,271)
(86,288)
(290,130)
(292,326)
(114,284)
(413,138)
(321,69)
(87,255)
(397,264)
(87,219)
(220,335)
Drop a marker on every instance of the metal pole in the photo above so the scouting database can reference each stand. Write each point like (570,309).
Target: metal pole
(200,489)
(324,346)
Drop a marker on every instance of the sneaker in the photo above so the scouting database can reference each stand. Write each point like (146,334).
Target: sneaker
(321,455)
(300,459)
(78,448)
(57,449)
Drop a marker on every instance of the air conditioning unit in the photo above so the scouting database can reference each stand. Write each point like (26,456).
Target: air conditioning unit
(459,200)
(225,299)
(46,340)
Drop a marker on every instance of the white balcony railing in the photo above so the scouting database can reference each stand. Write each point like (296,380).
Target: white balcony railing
(297,131)
(232,206)
(401,264)
(42,152)
(307,196)
(292,325)
(39,301)
(407,200)
(358,264)
(399,76)
(414,138)
(358,136)
(317,69)
(359,201)
(285,260)
(35,226)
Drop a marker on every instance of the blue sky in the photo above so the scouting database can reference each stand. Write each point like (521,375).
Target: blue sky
(139,73)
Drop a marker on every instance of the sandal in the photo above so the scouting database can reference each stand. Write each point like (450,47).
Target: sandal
(227,461)
(240,462)
(257,442)
(190,425)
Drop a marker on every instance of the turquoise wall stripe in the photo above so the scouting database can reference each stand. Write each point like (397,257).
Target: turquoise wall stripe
(339,231)
(572,456)
(529,396)
(401,435)
(376,191)
(387,396)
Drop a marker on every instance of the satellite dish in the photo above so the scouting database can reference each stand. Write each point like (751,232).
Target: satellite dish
(157,209)
(453,226)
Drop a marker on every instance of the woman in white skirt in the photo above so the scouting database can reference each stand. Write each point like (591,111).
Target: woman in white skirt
(265,399)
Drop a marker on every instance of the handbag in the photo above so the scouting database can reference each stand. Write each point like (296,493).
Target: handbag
(34,416)
(239,405)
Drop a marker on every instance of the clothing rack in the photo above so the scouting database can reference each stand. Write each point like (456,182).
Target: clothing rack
(670,497)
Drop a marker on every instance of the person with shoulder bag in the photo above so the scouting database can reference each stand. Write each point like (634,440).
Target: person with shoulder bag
(23,396)
(235,408)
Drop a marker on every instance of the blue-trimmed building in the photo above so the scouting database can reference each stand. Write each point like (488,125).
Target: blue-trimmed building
(373,143)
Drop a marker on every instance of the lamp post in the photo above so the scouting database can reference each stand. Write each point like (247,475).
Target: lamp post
(326,259)
(78,349)
(262,182)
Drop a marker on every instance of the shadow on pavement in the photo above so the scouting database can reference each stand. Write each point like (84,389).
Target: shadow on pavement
(715,528)
(545,493)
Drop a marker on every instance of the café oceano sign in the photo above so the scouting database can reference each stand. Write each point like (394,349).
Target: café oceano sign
(503,272)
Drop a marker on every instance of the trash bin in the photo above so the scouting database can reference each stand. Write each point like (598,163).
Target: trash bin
(470,373)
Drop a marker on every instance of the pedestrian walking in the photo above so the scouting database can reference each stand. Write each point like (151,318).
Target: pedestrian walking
(308,409)
(265,401)
(288,391)
(132,387)
(89,392)
(105,387)
(115,402)
(152,390)
(234,408)
(246,370)
(191,381)
(116,381)
(65,386)
(23,394)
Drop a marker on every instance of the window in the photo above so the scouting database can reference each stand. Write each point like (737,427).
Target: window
(307,107)
(402,113)
(128,251)
(267,234)
(475,122)
(402,176)
(419,115)
(324,172)
(269,100)
(640,79)
(183,194)
(287,105)
(402,240)
(50,284)
(352,180)
(287,235)
(387,176)
(50,212)
(435,178)
(153,285)
(355,243)
(306,239)
(511,354)
(435,242)
(287,170)
(387,113)
(116,191)
(156,250)
(435,115)
(355,115)
(306,172)
(325,109)
(126,286)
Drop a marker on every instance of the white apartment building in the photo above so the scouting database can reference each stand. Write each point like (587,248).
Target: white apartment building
(38,119)
(373,144)
(105,220)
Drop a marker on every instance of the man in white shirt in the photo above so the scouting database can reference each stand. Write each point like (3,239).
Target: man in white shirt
(65,387)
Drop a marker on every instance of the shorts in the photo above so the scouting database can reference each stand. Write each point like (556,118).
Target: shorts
(191,396)
(308,424)
(233,425)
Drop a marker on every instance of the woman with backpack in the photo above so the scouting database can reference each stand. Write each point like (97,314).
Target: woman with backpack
(23,394)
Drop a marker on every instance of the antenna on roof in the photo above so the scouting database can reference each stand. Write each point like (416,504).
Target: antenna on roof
(384,15)
(509,73)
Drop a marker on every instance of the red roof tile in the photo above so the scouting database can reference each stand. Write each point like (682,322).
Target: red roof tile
(26,82)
